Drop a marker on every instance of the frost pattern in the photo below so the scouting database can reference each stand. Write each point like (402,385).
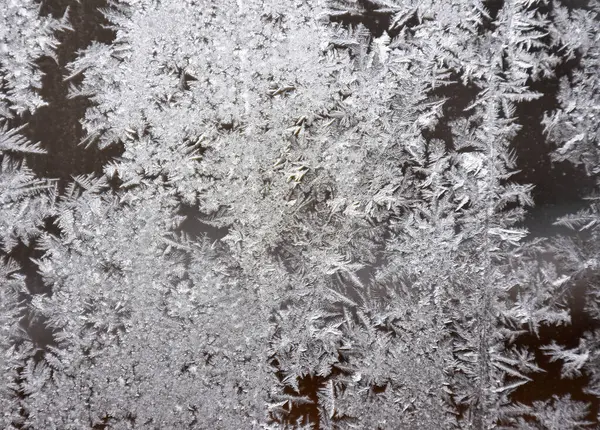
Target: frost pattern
(372,276)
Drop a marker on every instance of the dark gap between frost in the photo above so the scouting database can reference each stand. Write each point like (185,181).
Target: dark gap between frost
(307,413)
(575,4)
(57,126)
(195,226)
(544,385)
(555,183)
(35,325)
(369,15)
(458,98)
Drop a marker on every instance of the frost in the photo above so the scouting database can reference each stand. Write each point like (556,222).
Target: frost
(370,275)
(24,38)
